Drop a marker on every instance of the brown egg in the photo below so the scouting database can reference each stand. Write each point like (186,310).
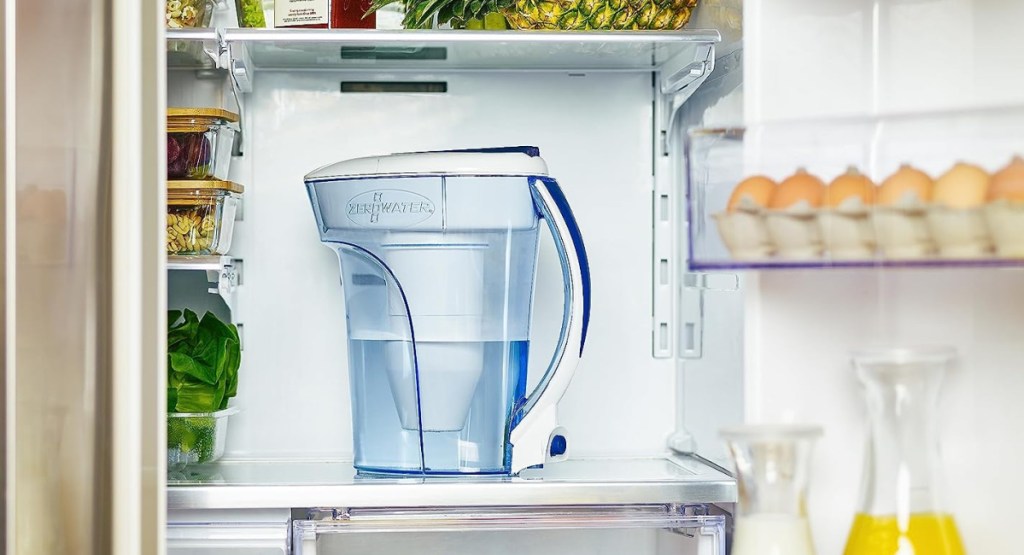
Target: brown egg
(906,180)
(757,189)
(963,186)
(1008,183)
(850,184)
(799,187)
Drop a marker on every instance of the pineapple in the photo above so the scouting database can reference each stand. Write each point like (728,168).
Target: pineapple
(459,14)
(599,14)
(548,14)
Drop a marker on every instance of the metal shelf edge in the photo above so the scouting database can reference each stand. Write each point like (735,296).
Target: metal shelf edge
(709,486)
(420,36)
(212,262)
(192,34)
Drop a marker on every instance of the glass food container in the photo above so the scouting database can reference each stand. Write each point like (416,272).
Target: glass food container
(772,471)
(250,14)
(180,14)
(196,438)
(900,509)
(201,216)
(199,142)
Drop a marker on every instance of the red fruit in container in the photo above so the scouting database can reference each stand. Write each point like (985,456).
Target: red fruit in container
(192,136)
(197,155)
(176,168)
(173,148)
(197,148)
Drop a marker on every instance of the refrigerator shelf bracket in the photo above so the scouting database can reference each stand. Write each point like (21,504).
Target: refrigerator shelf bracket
(239,64)
(684,77)
(212,50)
(711,282)
(675,83)
(663,255)
(691,308)
(679,79)
(234,58)
(240,76)
(682,71)
(197,49)
(223,271)
(226,278)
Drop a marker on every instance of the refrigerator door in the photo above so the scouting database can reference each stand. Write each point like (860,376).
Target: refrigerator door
(82,281)
(591,530)
(801,326)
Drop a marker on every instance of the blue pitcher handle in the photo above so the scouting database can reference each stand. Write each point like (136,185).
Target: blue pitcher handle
(536,437)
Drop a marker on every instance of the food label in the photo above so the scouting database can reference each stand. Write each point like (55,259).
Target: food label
(389,208)
(292,13)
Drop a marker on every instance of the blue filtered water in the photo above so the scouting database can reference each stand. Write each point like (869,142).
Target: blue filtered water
(466,394)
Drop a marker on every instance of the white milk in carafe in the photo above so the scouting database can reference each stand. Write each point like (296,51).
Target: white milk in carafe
(771,534)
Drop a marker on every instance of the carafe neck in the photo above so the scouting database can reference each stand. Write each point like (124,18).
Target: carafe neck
(772,466)
(901,473)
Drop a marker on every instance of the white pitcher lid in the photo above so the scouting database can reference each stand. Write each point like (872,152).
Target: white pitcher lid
(503,161)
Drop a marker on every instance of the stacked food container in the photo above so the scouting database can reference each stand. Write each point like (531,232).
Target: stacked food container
(204,353)
(201,202)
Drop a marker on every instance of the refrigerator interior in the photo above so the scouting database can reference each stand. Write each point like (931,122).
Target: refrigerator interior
(594,130)
(775,343)
(598,132)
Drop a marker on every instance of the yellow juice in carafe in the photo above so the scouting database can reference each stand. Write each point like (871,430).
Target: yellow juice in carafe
(925,534)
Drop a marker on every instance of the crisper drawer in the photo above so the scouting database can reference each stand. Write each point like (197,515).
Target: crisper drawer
(591,530)
(243,532)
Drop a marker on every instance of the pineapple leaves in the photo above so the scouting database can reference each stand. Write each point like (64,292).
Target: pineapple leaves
(420,14)
(458,9)
(428,9)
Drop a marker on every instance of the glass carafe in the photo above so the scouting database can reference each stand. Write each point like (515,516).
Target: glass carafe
(772,470)
(900,510)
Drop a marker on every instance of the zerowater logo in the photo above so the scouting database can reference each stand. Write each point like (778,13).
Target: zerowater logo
(389,207)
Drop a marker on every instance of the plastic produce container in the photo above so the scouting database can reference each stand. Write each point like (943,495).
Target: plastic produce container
(199,142)
(196,438)
(180,14)
(511,530)
(201,216)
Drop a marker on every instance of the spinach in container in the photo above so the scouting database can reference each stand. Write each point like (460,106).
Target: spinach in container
(203,357)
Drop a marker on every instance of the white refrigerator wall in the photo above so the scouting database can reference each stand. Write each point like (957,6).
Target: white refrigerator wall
(809,58)
(594,131)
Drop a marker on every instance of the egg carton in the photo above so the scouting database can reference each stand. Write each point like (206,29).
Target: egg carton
(906,232)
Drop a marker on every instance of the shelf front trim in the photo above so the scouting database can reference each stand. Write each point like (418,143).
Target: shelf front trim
(952,264)
(244,51)
(371,37)
(696,482)
(210,262)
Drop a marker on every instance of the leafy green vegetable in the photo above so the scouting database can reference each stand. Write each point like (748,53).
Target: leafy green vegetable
(203,357)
